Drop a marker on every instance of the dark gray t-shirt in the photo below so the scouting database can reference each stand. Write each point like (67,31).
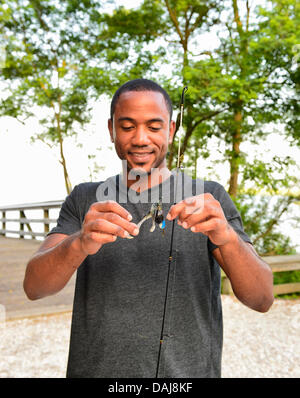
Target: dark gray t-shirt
(120,292)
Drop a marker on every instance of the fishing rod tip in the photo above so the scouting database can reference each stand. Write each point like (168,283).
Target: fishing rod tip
(182,95)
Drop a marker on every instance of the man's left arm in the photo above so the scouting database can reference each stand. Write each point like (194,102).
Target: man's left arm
(251,278)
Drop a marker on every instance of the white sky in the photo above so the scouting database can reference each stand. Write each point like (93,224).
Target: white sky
(30,172)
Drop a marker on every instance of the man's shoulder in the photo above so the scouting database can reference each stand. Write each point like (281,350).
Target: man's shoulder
(219,193)
(213,187)
(84,191)
(88,192)
(87,186)
(208,186)
(91,187)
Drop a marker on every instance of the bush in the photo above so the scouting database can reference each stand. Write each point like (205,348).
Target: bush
(262,217)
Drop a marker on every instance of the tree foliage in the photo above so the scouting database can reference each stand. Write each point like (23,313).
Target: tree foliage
(60,55)
(45,68)
(237,87)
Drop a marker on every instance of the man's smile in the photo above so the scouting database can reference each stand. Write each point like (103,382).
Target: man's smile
(140,156)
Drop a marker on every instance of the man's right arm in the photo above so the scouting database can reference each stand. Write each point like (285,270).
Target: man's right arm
(52,266)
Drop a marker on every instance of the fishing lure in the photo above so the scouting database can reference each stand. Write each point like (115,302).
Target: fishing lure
(156,214)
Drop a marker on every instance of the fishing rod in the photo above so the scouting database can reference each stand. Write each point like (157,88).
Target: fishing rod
(179,161)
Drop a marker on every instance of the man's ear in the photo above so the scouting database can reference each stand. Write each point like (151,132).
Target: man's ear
(111,129)
(172,131)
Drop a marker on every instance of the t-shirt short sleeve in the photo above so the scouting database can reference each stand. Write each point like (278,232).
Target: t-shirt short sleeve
(230,211)
(69,219)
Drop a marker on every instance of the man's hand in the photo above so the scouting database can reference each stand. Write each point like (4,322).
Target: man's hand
(251,278)
(203,213)
(103,223)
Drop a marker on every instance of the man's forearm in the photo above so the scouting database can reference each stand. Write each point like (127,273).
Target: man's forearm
(48,271)
(251,278)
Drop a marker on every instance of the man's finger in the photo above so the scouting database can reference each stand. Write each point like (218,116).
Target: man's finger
(114,218)
(206,226)
(186,207)
(104,226)
(111,206)
(175,210)
(101,237)
(195,218)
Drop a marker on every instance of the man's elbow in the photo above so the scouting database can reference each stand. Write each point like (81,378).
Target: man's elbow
(30,293)
(266,304)
(28,284)
(261,299)
(266,292)
(258,303)
(266,298)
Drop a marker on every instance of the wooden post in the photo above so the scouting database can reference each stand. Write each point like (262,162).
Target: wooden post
(3,222)
(46,222)
(22,212)
(21,226)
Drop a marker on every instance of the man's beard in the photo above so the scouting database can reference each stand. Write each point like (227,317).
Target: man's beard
(138,171)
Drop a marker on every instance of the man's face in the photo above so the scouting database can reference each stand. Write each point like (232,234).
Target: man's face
(141,130)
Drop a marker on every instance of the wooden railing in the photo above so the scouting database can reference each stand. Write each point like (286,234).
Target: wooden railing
(277,264)
(23,221)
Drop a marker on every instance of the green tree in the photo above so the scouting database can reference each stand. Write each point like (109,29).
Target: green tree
(61,57)
(236,88)
(45,68)
(157,40)
(249,75)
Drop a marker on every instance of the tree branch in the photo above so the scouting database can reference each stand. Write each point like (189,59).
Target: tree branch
(274,222)
(195,124)
(196,24)
(248,15)
(175,22)
(237,18)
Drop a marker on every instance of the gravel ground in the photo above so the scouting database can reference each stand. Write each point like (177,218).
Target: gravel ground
(255,345)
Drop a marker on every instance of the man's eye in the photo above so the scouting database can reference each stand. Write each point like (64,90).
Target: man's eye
(154,128)
(127,128)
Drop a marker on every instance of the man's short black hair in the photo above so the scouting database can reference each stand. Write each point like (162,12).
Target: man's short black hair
(140,85)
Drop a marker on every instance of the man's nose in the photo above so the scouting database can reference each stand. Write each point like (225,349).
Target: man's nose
(141,137)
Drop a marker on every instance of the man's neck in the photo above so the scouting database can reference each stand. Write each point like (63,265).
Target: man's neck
(140,181)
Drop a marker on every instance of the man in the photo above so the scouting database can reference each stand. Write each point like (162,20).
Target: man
(121,283)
